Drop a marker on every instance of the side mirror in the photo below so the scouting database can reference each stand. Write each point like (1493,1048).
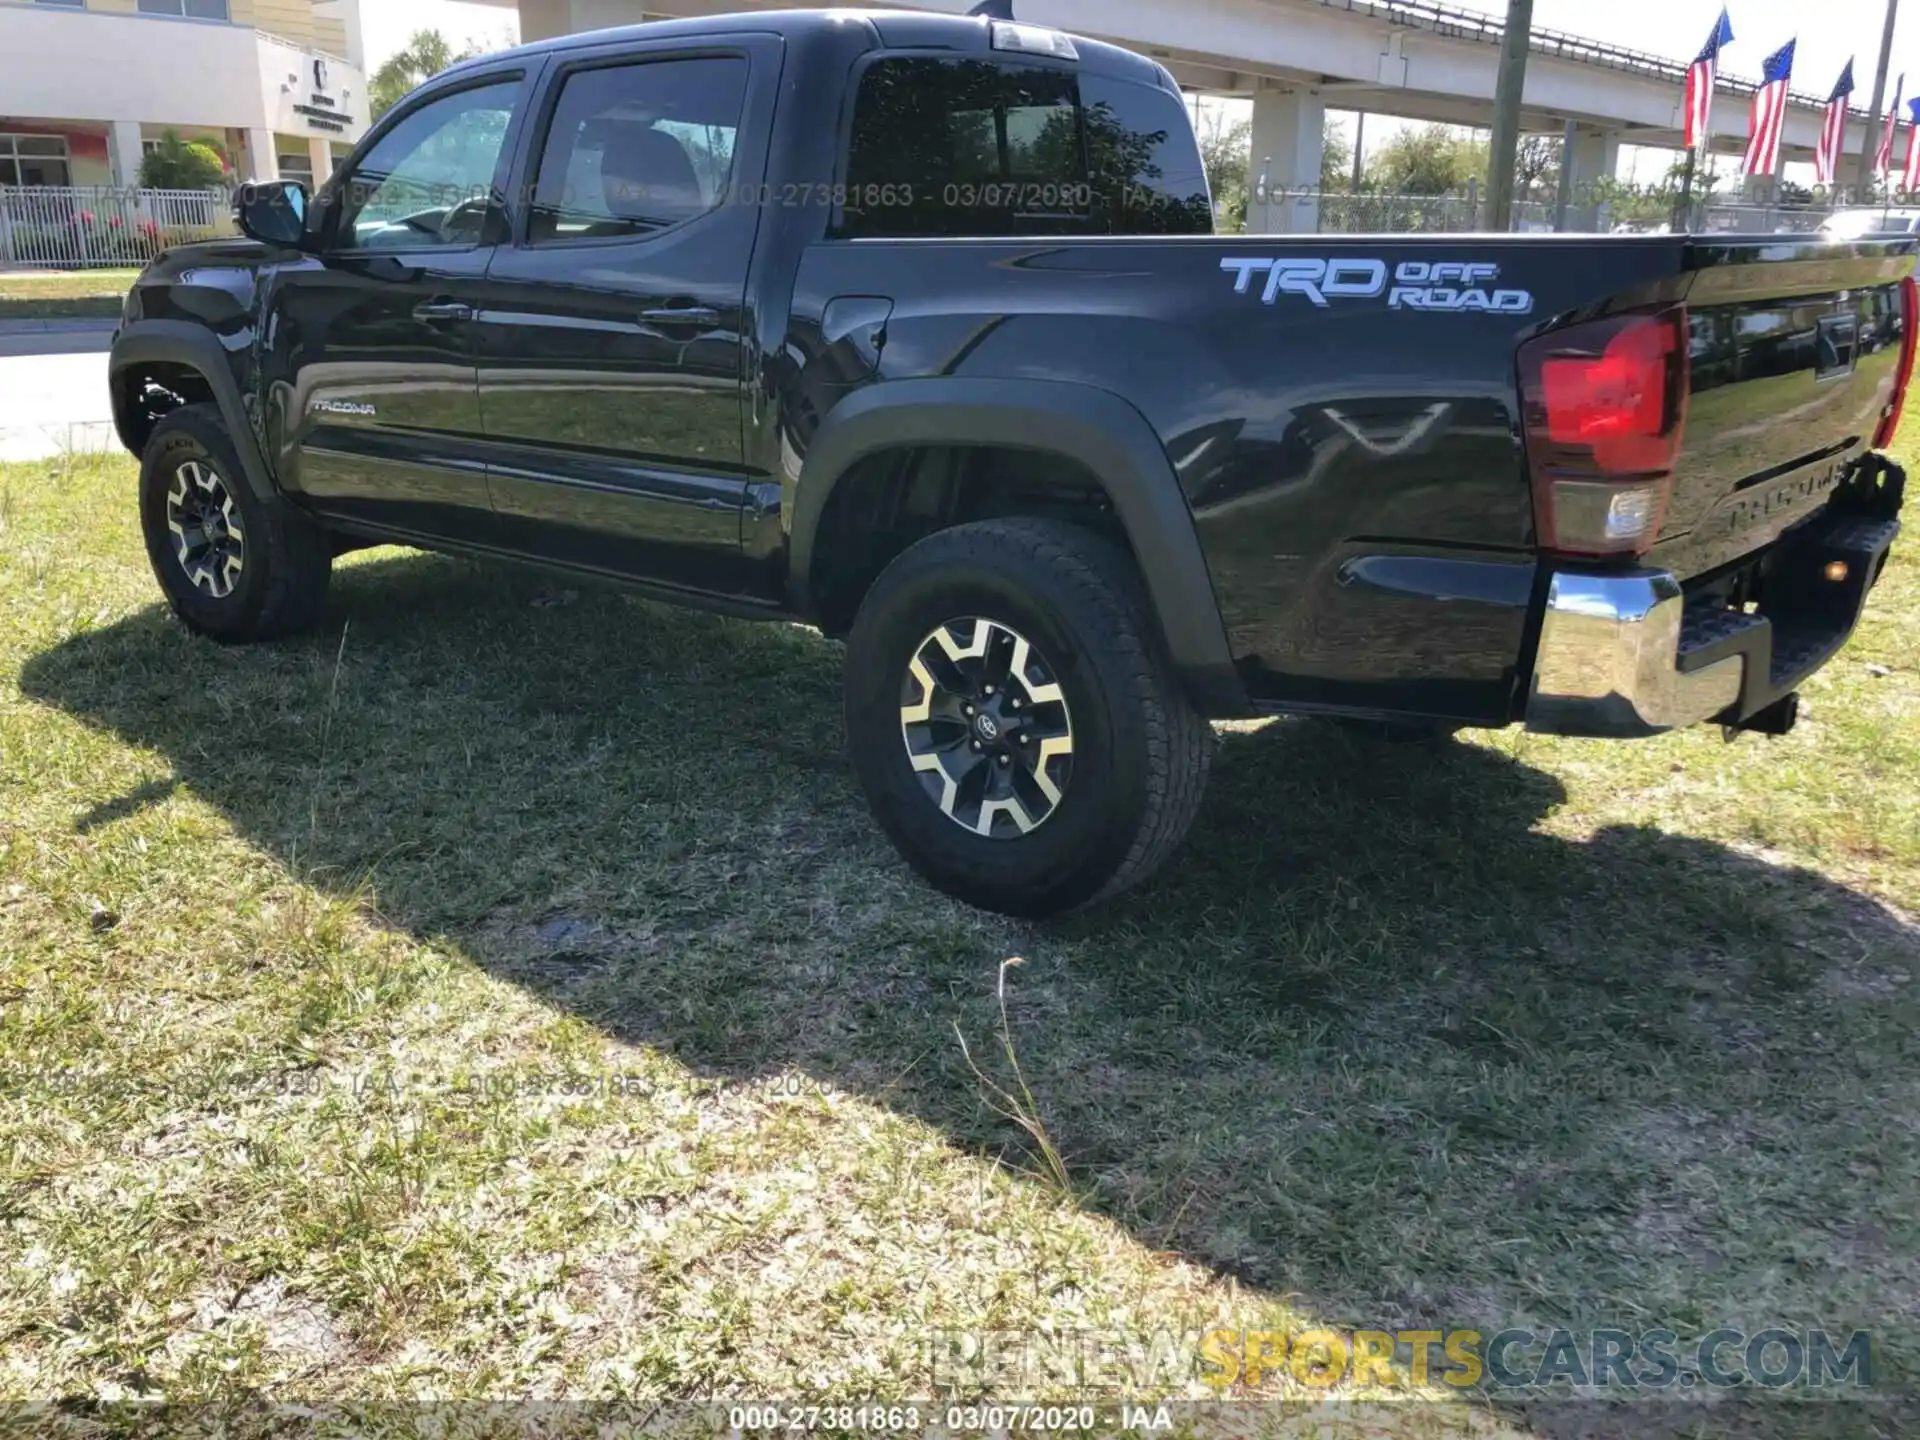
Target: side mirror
(274,213)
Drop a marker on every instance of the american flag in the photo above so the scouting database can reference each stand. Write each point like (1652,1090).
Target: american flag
(1911,182)
(1833,130)
(1883,157)
(1700,82)
(1769,112)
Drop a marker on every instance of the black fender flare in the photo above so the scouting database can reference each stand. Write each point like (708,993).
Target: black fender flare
(1094,427)
(179,342)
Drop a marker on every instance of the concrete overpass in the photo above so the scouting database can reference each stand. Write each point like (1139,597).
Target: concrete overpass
(1295,59)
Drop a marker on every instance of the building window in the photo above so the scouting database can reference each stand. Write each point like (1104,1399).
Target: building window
(34,160)
(70,4)
(296,167)
(191,9)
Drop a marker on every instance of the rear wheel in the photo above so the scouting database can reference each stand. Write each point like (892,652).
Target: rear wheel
(1015,722)
(233,566)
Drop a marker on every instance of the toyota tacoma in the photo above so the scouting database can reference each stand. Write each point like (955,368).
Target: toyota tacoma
(915,328)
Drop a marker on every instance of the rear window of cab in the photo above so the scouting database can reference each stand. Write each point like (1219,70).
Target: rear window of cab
(945,146)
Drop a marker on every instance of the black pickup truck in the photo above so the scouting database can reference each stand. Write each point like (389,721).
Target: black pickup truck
(914,327)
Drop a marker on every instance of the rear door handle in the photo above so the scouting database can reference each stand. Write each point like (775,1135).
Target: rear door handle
(682,315)
(438,311)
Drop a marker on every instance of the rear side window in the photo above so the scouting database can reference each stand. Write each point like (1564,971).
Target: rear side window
(634,149)
(977,147)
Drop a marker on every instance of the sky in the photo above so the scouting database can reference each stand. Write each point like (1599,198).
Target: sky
(386,25)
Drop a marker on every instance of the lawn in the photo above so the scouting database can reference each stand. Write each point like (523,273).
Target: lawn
(64,294)
(504,993)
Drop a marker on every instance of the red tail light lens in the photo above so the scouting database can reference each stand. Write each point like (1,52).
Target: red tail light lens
(1909,319)
(1606,406)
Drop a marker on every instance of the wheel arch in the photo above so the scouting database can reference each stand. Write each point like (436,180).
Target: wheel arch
(149,348)
(1094,431)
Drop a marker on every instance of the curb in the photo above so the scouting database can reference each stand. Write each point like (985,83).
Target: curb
(77,324)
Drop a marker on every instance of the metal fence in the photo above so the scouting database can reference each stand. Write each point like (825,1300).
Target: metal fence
(82,227)
(1337,212)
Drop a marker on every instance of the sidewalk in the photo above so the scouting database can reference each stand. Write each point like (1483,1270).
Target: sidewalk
(53,388)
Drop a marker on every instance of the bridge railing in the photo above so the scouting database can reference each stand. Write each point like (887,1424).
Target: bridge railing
(1470,25)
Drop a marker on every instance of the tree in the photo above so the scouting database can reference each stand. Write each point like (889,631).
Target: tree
(1536,168)
(177,164)
(1336,157)
(425,56)
(1432,160)
(1225,150)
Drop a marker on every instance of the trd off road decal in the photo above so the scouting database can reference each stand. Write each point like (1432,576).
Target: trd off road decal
(1450,286)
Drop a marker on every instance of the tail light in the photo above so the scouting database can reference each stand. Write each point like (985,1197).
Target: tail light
(1605,405)
(1909,319)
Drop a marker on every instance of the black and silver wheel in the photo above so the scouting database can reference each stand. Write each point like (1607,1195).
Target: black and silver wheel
(234,565)
(209,537)
(1014,720)
(987,728)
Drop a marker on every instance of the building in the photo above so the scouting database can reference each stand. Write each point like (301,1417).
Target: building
(87,87)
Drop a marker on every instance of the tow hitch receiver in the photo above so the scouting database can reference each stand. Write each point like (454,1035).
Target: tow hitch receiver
(1777,719)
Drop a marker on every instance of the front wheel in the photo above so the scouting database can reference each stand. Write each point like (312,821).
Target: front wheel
(1014,720)
(234,566)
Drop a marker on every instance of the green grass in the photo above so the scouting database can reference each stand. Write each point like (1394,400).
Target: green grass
(64,294)
(1519,1032)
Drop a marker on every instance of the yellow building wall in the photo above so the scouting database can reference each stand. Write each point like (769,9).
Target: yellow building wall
(289,19)
(330,36)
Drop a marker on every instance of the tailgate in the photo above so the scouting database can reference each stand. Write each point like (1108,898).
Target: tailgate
(1794,348)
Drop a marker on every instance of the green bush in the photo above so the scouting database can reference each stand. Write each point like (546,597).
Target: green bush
(177,164)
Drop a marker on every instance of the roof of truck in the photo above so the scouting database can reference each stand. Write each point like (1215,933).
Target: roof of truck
(893,29)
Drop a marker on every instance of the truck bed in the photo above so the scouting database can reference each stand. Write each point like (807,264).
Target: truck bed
(1345,419)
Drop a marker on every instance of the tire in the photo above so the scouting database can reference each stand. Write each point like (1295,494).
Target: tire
(1130,783)
(273,584)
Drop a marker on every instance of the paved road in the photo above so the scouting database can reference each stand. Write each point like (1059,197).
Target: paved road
(53,388)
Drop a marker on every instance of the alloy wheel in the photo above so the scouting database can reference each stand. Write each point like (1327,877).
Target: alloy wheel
(209,538)
(987,728)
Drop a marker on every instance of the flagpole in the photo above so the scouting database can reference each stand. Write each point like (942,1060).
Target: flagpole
(1863,176)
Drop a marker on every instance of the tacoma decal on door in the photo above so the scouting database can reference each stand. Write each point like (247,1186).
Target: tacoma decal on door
(1451,286)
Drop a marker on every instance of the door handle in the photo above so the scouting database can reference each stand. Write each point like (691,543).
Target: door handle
(436,311)
(682,315)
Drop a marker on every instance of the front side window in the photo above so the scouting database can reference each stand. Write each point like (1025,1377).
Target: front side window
(636,149)
(977,147)
(429,180)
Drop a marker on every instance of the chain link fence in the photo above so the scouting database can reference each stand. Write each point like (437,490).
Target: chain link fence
(68,227)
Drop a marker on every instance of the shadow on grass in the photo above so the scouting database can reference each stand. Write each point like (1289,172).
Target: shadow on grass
(1375,1039)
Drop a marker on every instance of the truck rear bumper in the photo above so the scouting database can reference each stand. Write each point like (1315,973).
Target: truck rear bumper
(1622,655)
